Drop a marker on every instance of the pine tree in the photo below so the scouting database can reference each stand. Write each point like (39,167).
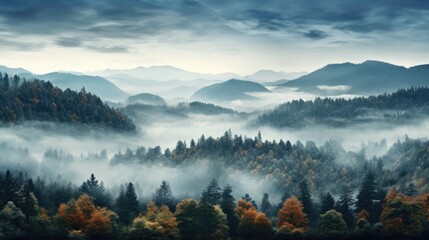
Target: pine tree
(27,201)
(127,205)
(345,206)
(227,204)
(95,190)
(366,195)
(305,197)
(328,203)
(8,188)
(212,193)
(163,195)
(266,205)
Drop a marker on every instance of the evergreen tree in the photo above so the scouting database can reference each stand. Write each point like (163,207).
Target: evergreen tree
(305,197)
(227,204)
(163,195)
(95,190)
(328,203)
(211,194)
(127,205)
(8,188)
(345,206)
(27,201)
(266,205)
(366,195)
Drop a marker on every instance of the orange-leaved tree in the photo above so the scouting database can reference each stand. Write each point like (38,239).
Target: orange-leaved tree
(253,223)
(291,216)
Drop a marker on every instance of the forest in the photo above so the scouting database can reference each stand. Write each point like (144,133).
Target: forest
(42,209)
(378,197)
(37,100)
(404,105)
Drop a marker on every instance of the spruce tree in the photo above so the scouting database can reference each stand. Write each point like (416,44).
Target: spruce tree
(328,203)
(366,195)
(266,205)
(227,203)
(211,194)
(127,205)
(305,197)
(345,206)
(163,195)
(8,188)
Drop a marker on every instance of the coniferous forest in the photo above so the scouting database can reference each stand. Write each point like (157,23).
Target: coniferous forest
(318,190)
(214,120)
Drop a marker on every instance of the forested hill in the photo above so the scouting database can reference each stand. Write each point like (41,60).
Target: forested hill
(402,105)
(38,100)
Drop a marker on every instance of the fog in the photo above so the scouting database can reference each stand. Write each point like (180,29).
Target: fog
(23,146)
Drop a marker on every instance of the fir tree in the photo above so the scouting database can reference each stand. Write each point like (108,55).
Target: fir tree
(212,193)
(266,205)
(305,197)
(328,203)
(163,195)
(345,206)
(227,204)
(366,195)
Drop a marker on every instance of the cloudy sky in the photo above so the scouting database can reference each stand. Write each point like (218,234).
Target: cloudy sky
(211,36)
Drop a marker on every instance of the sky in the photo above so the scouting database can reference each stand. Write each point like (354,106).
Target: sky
(211,36)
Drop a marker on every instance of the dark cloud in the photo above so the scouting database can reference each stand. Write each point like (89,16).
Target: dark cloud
(84,20)
(316,34)
(68,42)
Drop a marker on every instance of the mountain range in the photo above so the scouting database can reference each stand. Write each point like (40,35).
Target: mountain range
(369,77)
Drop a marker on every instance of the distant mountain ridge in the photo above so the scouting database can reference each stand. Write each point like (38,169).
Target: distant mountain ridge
(169,73)
(230,90)
(94,84)
(369,77)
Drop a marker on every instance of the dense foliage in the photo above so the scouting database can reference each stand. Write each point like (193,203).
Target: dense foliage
(403,105)
(286,165)
(38,100)
(27,212)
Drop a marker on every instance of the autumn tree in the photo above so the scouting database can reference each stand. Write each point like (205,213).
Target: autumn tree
(247,198)
(404,216)
(253,223)
(83,216)
(158,223)
(291,216)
